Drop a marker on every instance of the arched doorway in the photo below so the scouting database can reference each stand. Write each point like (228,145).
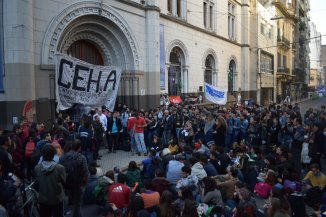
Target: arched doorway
(174,73)
(86,51)
(231,72)
(209,67)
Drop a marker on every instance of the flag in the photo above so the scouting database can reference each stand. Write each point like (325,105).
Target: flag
(215,95)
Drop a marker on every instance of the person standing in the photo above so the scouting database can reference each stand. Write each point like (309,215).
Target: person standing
(167,127)
(85,135)
(139,126)
(114,127)
(51,178)
(98,135)
(77,175)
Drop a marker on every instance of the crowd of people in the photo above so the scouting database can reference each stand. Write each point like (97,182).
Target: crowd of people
(199,161)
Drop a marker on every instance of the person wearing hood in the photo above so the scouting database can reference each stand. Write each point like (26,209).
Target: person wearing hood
(50,177)
(197,169)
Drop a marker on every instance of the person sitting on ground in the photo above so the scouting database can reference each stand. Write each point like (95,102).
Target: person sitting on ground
(208,166)
(173,146)
(247,205)
(184,193)
(166,208)
(119,193)
(197,169)
(210,195)
(228,184)
(151,198)
(173,170)
(133,175)
(190,209)
(188,180)
(160,183)
(315,177)
(136,207)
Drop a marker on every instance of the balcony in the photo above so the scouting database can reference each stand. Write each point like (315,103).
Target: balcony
(283,42)
(283,70)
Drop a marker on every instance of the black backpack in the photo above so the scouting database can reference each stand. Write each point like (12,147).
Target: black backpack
(73,179)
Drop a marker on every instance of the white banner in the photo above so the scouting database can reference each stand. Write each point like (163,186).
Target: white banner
(84,83)
(215,95)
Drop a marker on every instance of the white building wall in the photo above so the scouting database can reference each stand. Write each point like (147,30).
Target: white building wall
(315,47)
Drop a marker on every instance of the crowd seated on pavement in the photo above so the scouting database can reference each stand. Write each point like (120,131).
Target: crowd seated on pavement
(199,161)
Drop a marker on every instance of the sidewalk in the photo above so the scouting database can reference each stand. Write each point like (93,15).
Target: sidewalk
(120,159)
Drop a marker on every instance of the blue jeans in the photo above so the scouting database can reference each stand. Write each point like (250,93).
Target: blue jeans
(139,137)
(133,145)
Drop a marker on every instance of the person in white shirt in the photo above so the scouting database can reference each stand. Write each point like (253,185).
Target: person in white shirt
(103,118)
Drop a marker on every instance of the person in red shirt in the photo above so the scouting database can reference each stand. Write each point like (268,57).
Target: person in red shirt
(119,193)
(139,127)
(130,130)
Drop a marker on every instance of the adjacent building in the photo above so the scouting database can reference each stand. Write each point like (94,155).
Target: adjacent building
(286,52)
(301,45)
(315,77)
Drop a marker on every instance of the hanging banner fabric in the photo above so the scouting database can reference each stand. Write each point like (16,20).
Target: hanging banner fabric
(84,83)
(215,95)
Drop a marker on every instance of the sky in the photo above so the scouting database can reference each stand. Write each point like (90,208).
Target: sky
(318,16)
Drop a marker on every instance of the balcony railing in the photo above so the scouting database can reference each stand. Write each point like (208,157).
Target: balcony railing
(282,69)
(282,41)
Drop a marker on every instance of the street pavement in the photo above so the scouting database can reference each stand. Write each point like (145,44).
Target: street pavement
(121,159)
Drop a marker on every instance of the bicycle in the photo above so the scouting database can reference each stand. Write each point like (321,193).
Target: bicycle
(28,197)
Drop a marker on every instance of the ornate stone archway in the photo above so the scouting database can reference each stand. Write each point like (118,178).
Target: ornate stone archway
(62,25)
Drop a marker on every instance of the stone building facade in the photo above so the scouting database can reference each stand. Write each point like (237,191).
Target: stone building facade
(170,46)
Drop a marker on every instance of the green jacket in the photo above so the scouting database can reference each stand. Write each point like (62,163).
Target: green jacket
(51,178)
(133,177)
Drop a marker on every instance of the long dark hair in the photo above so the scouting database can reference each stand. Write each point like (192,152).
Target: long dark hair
(190,209)
(209,184)
(136,204)
(166,209)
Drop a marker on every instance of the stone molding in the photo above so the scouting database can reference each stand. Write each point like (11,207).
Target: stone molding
(60,22)
(209,51)
(182,46)
(232,57)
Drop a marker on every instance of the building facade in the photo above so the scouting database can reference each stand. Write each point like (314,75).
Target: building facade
(301,45)
(170,46)
(315,58)
(263,52)
(286,52)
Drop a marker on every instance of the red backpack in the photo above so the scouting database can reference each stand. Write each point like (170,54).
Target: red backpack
(29,149)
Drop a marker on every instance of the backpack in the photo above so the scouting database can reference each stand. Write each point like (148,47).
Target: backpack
(73,179)
(29,149)
(101,189)
(263,189)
